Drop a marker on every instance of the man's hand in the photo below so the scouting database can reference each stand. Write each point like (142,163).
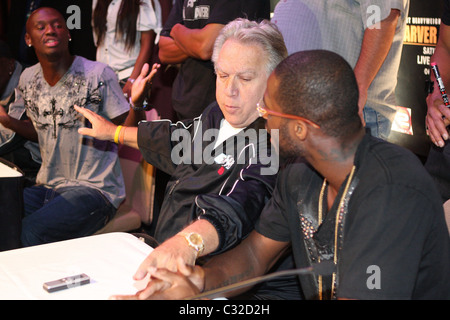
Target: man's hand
(101,128)
(436,124)
(142,84)
(168,285)
(168,255)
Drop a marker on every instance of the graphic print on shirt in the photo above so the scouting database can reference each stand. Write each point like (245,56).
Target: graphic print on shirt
(225,161)
(53,113)
(193,12)
(51,110)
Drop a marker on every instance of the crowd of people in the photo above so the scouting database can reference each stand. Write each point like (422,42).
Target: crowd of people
(277,158)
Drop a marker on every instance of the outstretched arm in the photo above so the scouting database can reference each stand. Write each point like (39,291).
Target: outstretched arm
(105,130)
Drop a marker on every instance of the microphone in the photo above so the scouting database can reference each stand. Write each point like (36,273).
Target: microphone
(324,268)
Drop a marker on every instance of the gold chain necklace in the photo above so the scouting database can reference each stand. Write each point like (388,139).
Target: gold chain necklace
(320,214)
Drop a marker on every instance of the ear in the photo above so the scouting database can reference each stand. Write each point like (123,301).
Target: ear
(300,129)
(28,40)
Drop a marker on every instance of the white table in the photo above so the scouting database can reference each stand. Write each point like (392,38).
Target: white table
(110,260)
(8,172)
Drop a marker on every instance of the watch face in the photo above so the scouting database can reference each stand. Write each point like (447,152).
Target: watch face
(195,239)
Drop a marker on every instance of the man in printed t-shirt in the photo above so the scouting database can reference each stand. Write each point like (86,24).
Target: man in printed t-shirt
(80,184)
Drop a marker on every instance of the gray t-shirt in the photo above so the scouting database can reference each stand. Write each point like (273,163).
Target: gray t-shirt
(339,26)
(68,158)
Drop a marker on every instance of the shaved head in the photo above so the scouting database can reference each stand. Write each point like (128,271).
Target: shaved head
(48,34)
(30,20)
(321,86)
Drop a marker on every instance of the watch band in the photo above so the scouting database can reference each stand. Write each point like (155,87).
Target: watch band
(195,241)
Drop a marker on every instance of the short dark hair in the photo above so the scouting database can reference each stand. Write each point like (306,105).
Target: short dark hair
(321,86)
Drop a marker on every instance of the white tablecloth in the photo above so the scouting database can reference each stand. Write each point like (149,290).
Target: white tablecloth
(110,260)
(7,172)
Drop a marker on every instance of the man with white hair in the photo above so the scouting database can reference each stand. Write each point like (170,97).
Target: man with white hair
(210,207)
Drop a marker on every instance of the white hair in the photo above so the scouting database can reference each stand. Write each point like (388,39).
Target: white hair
(264,34)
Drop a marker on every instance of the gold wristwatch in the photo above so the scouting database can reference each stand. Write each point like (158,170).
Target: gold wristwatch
(195,241)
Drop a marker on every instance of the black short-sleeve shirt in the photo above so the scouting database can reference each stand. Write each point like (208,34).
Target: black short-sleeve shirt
(394,226)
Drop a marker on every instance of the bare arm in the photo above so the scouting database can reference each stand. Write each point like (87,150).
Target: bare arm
(169,52)
(436,108)
(147,44)
(375,47)
(196,43)
(254,257)
(103,129)
(24,128)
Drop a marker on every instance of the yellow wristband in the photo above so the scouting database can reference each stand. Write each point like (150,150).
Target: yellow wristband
(122,135)
(116,135)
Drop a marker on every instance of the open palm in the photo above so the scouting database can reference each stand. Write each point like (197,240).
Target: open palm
(142,84)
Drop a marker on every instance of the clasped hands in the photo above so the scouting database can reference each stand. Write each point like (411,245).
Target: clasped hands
(172,271)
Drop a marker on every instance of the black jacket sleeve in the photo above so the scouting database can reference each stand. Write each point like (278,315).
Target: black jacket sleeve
(234,214)
(156,145)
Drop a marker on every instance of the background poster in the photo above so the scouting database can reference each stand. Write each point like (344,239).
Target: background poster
(420,40)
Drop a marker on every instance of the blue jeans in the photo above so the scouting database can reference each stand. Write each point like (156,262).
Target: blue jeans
(69,212)
(379,125)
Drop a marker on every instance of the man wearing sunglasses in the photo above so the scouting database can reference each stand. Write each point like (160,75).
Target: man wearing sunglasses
(365,207)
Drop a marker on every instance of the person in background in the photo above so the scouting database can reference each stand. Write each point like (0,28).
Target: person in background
(367,33)
(14,148)
(10,74)
(125,33)
(382,236)
(438,115)
(78,13)
(187,40)
(79,184)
